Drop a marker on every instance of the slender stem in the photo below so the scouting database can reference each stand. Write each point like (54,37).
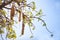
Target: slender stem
(30,31)
(48,29)
(43,22)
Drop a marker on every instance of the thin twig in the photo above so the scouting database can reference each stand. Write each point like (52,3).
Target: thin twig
(48,29)
(30,31)
(4,4)
(43,22)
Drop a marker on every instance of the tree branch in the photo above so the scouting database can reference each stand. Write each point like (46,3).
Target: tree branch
(4,4)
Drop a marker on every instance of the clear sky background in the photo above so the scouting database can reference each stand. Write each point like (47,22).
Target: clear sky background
(51,8)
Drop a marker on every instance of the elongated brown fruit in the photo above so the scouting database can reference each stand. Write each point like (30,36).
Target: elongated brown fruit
(19,16)
(23,26)
(12,12)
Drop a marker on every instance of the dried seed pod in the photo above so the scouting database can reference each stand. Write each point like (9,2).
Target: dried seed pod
(19,16)
(12,12)
(23,26)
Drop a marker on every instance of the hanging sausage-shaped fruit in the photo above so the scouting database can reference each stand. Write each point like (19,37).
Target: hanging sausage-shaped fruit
(23,26)
(12,12)
(19,18)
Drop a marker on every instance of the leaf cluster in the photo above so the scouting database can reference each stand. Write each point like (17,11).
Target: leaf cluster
(24,12)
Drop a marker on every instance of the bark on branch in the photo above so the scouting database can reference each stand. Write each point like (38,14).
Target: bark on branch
(4,4)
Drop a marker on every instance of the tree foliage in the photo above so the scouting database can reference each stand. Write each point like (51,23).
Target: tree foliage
(25,14)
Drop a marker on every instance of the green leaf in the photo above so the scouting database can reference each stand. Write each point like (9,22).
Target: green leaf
(30,24)
(3,12)
(39,13)
(1,31)
(14,36)
(0,2)
(31,36)
(39,19)
(33,28)
(29,13)
(44,24)
(9,36)
(34,6)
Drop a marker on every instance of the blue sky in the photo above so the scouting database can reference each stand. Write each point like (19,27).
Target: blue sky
(51,8)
